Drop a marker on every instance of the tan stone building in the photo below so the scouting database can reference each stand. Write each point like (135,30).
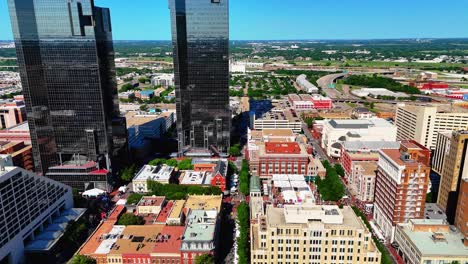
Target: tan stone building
(314,234)
(362,182)
(422,123)
(454,168)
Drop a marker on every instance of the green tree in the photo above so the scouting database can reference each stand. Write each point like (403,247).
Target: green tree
(143,80)
(172,162)
(144,107)
(156,162)
(243,242)
(126,87)
(128,173)
(339,170)
(204,259)
(134,198)
(235,150)
(82,259)
(76,232)
(130,219)
(186,164)
(244,177)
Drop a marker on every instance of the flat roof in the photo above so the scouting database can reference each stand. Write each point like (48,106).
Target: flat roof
(137,239)
(369,167)
(370,145)
(151,201)
(282,148)
(359,123)
(204,202)
(299,214)
(155,173)
(177,208)
(201,225)
(396,156)
(450,245)
(171,242)
(190,177)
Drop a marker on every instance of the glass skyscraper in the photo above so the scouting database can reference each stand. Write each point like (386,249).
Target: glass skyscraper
(66,63)
(200,39)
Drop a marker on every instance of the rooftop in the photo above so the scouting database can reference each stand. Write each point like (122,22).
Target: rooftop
(302,215)
(190,177)
(369,167)
(204,202)
(171,242)
(359,123)
(436,238)
(152,201)
(201,225)
(155,173)
(399,157)
(282,148)
(177,209)
(370,145)
(138,239)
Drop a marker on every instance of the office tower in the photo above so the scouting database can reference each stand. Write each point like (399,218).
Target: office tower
(461,216)
(312,234)
(200,39)
(454,170)
(66,63)
(422,123)
(34,213)
(401,185)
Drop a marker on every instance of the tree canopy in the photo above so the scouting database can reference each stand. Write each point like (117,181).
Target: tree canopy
(82,259)
(130,219)
(331,188)
(204,259)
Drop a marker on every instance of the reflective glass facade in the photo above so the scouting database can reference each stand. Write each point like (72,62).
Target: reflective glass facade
(200,37)
(66,62)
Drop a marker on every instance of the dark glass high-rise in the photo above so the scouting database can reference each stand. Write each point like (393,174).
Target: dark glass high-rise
(200,39)
(66,63)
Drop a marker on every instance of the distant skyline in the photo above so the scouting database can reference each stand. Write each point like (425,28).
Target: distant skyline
(295,20)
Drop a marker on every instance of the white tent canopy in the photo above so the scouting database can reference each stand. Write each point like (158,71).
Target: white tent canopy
(93,192)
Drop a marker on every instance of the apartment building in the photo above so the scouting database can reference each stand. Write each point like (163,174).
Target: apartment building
(401,186)
(313,234)
(423,241)
(422,123)
(362,181)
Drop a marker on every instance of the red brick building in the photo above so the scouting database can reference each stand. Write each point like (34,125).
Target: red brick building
(401,185)
(268,158)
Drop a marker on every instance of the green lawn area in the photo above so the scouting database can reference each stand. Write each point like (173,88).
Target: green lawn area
(352,104)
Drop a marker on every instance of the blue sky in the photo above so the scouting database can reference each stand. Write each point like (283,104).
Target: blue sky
(296,19)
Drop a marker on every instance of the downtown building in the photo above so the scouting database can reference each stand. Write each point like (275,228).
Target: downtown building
(449,162)
(401,186)
(313,234)
(34,214)
(200,39)
(66,63)
(422,123)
